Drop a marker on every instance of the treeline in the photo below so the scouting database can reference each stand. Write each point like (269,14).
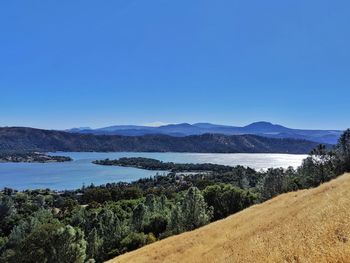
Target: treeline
(96,223)
(41,226)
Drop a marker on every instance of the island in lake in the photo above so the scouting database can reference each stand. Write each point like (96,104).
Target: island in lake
(153,164)
(32,157)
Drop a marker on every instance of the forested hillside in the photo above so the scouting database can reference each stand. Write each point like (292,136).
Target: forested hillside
(29,139)
(304,226)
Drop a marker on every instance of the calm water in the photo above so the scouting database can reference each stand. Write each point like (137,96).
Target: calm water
(71,175)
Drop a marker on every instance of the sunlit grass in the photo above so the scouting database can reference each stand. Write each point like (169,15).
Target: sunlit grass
(304,226)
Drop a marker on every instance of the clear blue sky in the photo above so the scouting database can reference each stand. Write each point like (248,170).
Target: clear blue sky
(96,63)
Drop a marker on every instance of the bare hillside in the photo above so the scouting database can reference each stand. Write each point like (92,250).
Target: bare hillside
(304,226)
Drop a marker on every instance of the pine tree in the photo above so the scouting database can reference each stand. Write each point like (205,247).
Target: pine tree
(138,217)
(176,220)
(343,152)
(195,211)
(94,245)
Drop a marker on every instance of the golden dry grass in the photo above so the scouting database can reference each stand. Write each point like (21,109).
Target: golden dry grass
(304,226)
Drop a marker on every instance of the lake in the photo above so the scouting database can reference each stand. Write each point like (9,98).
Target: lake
(72,175)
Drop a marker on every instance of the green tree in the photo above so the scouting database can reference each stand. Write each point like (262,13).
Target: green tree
(342,151)
(3,241)
(272,184)
(68,205)
(317,168)
(139,217)
(110,229)
(227,199)
(195,211)
(176,224)
(51,243)
(134,241)
(323,162)
(8,213)
(151,203)
(157,224)
(104,233)
(94,245)
(26,226)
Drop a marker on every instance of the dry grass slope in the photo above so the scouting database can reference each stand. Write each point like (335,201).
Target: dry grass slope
(304,226)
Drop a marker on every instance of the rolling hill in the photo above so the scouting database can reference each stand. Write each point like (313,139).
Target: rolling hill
(261,128)
(305,226)
(29,139)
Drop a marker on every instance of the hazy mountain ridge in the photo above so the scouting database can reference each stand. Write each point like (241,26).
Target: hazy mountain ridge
(30,139)
(262,128)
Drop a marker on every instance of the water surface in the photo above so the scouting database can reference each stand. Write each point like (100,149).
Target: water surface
(71,175)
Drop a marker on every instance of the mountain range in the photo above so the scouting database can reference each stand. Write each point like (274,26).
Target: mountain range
(261,128)
(18,139)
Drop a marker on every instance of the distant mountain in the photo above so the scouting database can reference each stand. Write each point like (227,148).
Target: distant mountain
(80,129)
(124,127)
(206,125)
(262,128)
(28,139)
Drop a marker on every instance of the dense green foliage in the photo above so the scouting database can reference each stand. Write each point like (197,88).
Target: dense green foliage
(93,224)
(227,199)
(28,139)
(153,164)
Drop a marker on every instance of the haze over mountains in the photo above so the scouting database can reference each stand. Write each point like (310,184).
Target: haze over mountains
(29,139)
(262,128)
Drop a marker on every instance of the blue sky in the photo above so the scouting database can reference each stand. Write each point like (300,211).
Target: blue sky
(97,63)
